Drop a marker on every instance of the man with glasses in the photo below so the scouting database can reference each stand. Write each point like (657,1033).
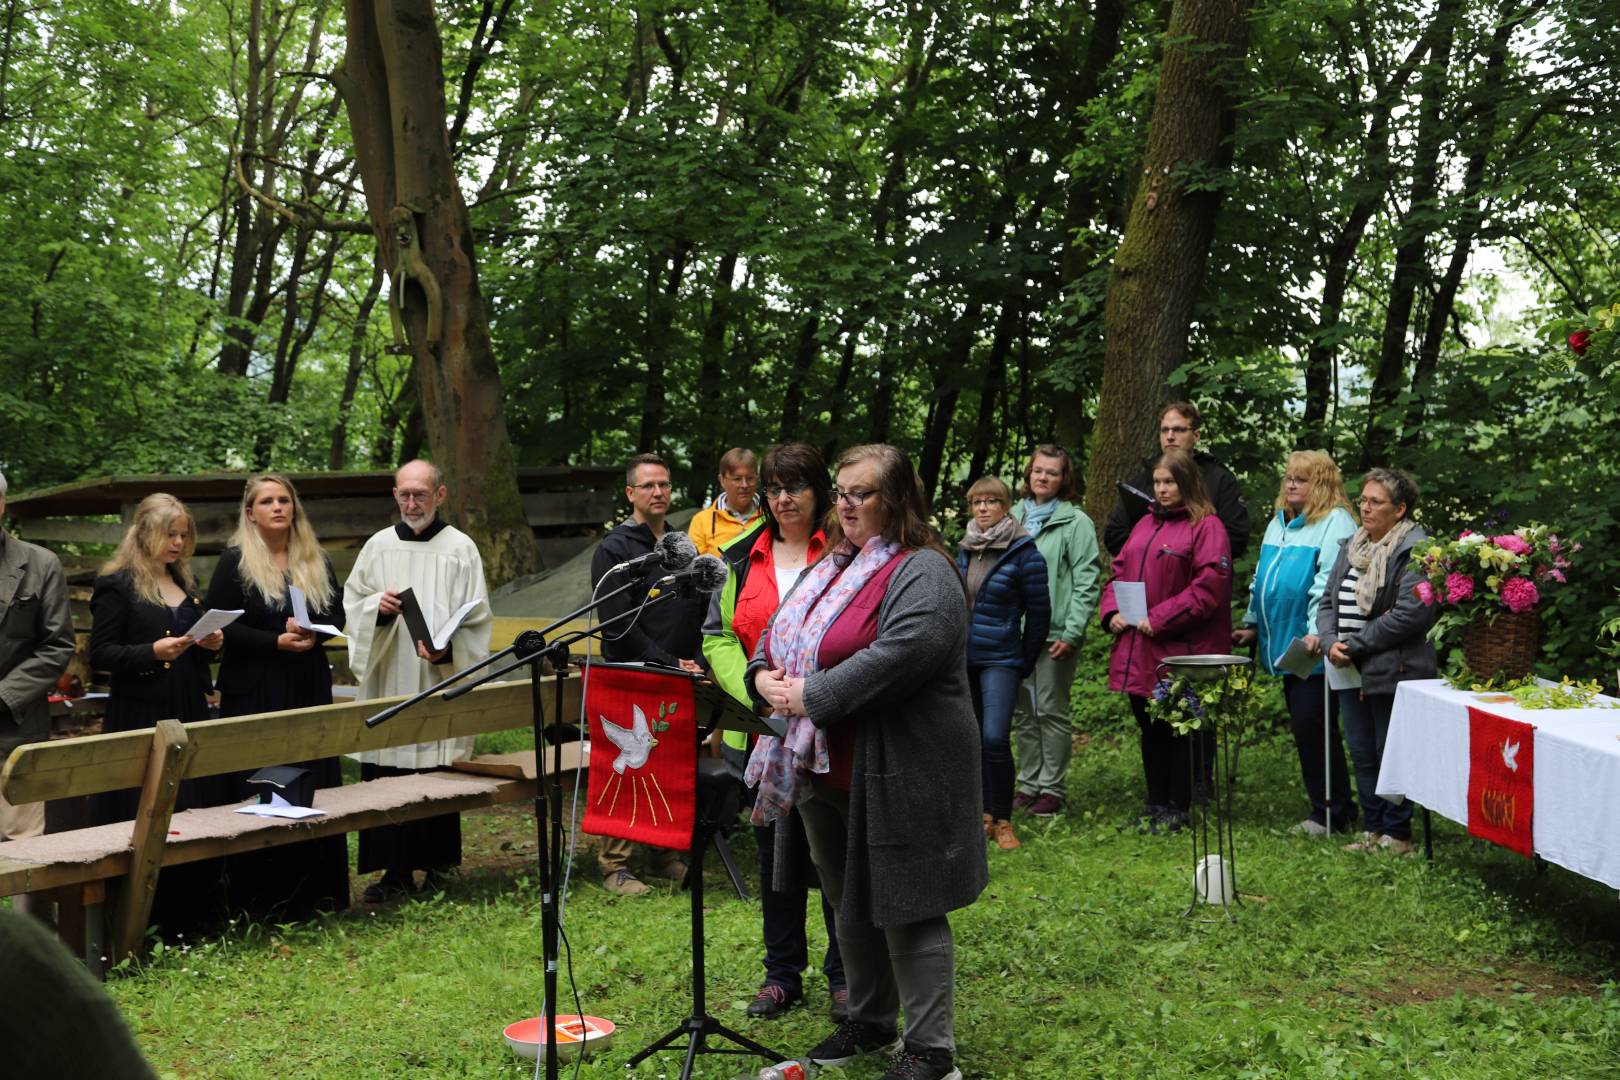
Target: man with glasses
(735,510)
(441,567)
(1179,429)
(668,632)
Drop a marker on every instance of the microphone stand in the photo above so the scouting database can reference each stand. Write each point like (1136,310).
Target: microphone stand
(534,650)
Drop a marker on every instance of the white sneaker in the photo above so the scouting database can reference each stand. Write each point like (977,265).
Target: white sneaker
(1311,828)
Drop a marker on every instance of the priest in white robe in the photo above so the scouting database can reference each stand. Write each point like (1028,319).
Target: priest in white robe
(441,566)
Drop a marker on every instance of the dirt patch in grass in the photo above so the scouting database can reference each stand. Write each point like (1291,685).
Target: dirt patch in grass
(1441,984)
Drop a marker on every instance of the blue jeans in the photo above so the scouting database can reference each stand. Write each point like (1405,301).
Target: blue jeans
(1366,728)
(995,690)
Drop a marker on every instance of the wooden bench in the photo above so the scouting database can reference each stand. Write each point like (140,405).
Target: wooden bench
(104,878)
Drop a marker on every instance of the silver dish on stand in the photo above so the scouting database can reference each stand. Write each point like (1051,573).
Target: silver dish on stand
(1214,871)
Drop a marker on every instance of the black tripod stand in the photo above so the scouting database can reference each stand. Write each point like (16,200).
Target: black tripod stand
(533,651)
(718,803)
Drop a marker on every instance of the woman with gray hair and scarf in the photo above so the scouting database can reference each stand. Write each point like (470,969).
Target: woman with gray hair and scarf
(1371,619)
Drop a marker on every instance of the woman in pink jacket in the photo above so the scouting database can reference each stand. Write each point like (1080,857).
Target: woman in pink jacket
(1180,552)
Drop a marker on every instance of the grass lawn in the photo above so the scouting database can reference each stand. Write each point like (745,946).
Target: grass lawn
(1075,962)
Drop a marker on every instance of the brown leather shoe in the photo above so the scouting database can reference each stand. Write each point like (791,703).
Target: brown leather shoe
(1005,838)
(624,883)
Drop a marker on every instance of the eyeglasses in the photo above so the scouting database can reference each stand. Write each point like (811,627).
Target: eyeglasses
(976,503)
(1364,501)
(852,498)
(1168,430)
(413,496)
(1298,481)
(792,491)
(654,485)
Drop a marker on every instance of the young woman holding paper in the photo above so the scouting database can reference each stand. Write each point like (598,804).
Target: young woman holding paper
(271,664)
(1179,555)
(1302,539)
(143,605)
(1371,621)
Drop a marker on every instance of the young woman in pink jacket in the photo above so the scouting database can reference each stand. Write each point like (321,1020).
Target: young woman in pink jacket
(1180,552)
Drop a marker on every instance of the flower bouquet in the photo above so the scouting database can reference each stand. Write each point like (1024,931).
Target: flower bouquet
(1492,588)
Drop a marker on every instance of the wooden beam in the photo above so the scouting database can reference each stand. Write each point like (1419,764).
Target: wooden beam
(97,763)
(170,752)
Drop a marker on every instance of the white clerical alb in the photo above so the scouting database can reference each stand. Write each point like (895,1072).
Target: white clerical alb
(445,572)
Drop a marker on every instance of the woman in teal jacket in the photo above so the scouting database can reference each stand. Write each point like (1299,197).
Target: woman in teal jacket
(1067,540)
(1302,539)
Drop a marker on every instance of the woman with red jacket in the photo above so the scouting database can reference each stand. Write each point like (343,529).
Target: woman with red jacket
(1180,552)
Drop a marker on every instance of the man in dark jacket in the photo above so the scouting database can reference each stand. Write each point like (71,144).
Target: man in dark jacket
(669,632)
(1179,429)
(36,643)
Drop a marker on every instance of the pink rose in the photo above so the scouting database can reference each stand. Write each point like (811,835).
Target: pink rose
(1459,588)
(1520,594)
(1509,542)
(1556,575)
(1425,593)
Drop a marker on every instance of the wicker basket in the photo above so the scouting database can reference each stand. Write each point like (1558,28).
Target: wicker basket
(1504,646)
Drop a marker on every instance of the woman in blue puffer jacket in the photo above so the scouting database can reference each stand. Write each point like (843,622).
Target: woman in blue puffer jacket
(1012,610)
(1302,540)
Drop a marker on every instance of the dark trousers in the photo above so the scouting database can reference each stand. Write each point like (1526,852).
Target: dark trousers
(1165,759)
(429,844)
(787,945)
(1366,727)
(1305,706)
(995,691)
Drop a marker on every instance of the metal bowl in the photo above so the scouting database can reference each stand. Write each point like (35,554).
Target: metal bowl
(1206,667)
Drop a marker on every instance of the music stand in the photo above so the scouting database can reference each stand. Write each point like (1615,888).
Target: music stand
(726,713)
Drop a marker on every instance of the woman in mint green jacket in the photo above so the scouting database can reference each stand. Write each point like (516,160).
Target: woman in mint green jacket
(1067,540)
(1296,557)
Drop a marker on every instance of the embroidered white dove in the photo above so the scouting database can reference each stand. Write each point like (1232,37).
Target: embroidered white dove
(1510,754)
(634,742)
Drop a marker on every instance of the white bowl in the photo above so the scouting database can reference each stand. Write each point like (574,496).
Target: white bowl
(575,1034)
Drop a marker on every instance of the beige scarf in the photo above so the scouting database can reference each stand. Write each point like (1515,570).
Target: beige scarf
(1373,560)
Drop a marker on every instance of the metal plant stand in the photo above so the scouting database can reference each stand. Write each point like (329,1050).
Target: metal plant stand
(1215,814)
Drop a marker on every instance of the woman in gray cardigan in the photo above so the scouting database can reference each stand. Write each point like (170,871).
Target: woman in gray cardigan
(1370,618)
(865,661)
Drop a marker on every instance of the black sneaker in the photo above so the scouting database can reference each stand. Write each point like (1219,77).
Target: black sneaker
(773,1001)
(851,1039)
(1171,820)
(923,1065)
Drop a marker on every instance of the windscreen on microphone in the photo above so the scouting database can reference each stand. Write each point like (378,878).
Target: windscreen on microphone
(676,551)
(709,573)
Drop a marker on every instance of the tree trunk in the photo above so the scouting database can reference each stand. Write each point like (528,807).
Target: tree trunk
(657,346)
(804,360)
(990,383)
(1159,268)
(1411,246)
(1081,198)
(1469,222)
(351,378)
(392,82)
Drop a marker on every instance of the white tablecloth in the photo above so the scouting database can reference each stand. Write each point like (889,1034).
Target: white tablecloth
(1576,822)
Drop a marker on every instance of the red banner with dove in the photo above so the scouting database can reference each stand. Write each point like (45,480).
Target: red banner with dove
(643,778)
(1501,780)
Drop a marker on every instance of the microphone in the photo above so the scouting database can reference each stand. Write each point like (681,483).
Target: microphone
(674,551)
(708,574)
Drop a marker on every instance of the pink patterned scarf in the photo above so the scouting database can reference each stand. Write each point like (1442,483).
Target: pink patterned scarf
(778,766)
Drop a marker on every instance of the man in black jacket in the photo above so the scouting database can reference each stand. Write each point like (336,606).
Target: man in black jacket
(1179,429)
(669,632)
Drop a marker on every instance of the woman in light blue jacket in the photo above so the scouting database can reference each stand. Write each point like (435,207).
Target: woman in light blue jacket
(1302,539)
